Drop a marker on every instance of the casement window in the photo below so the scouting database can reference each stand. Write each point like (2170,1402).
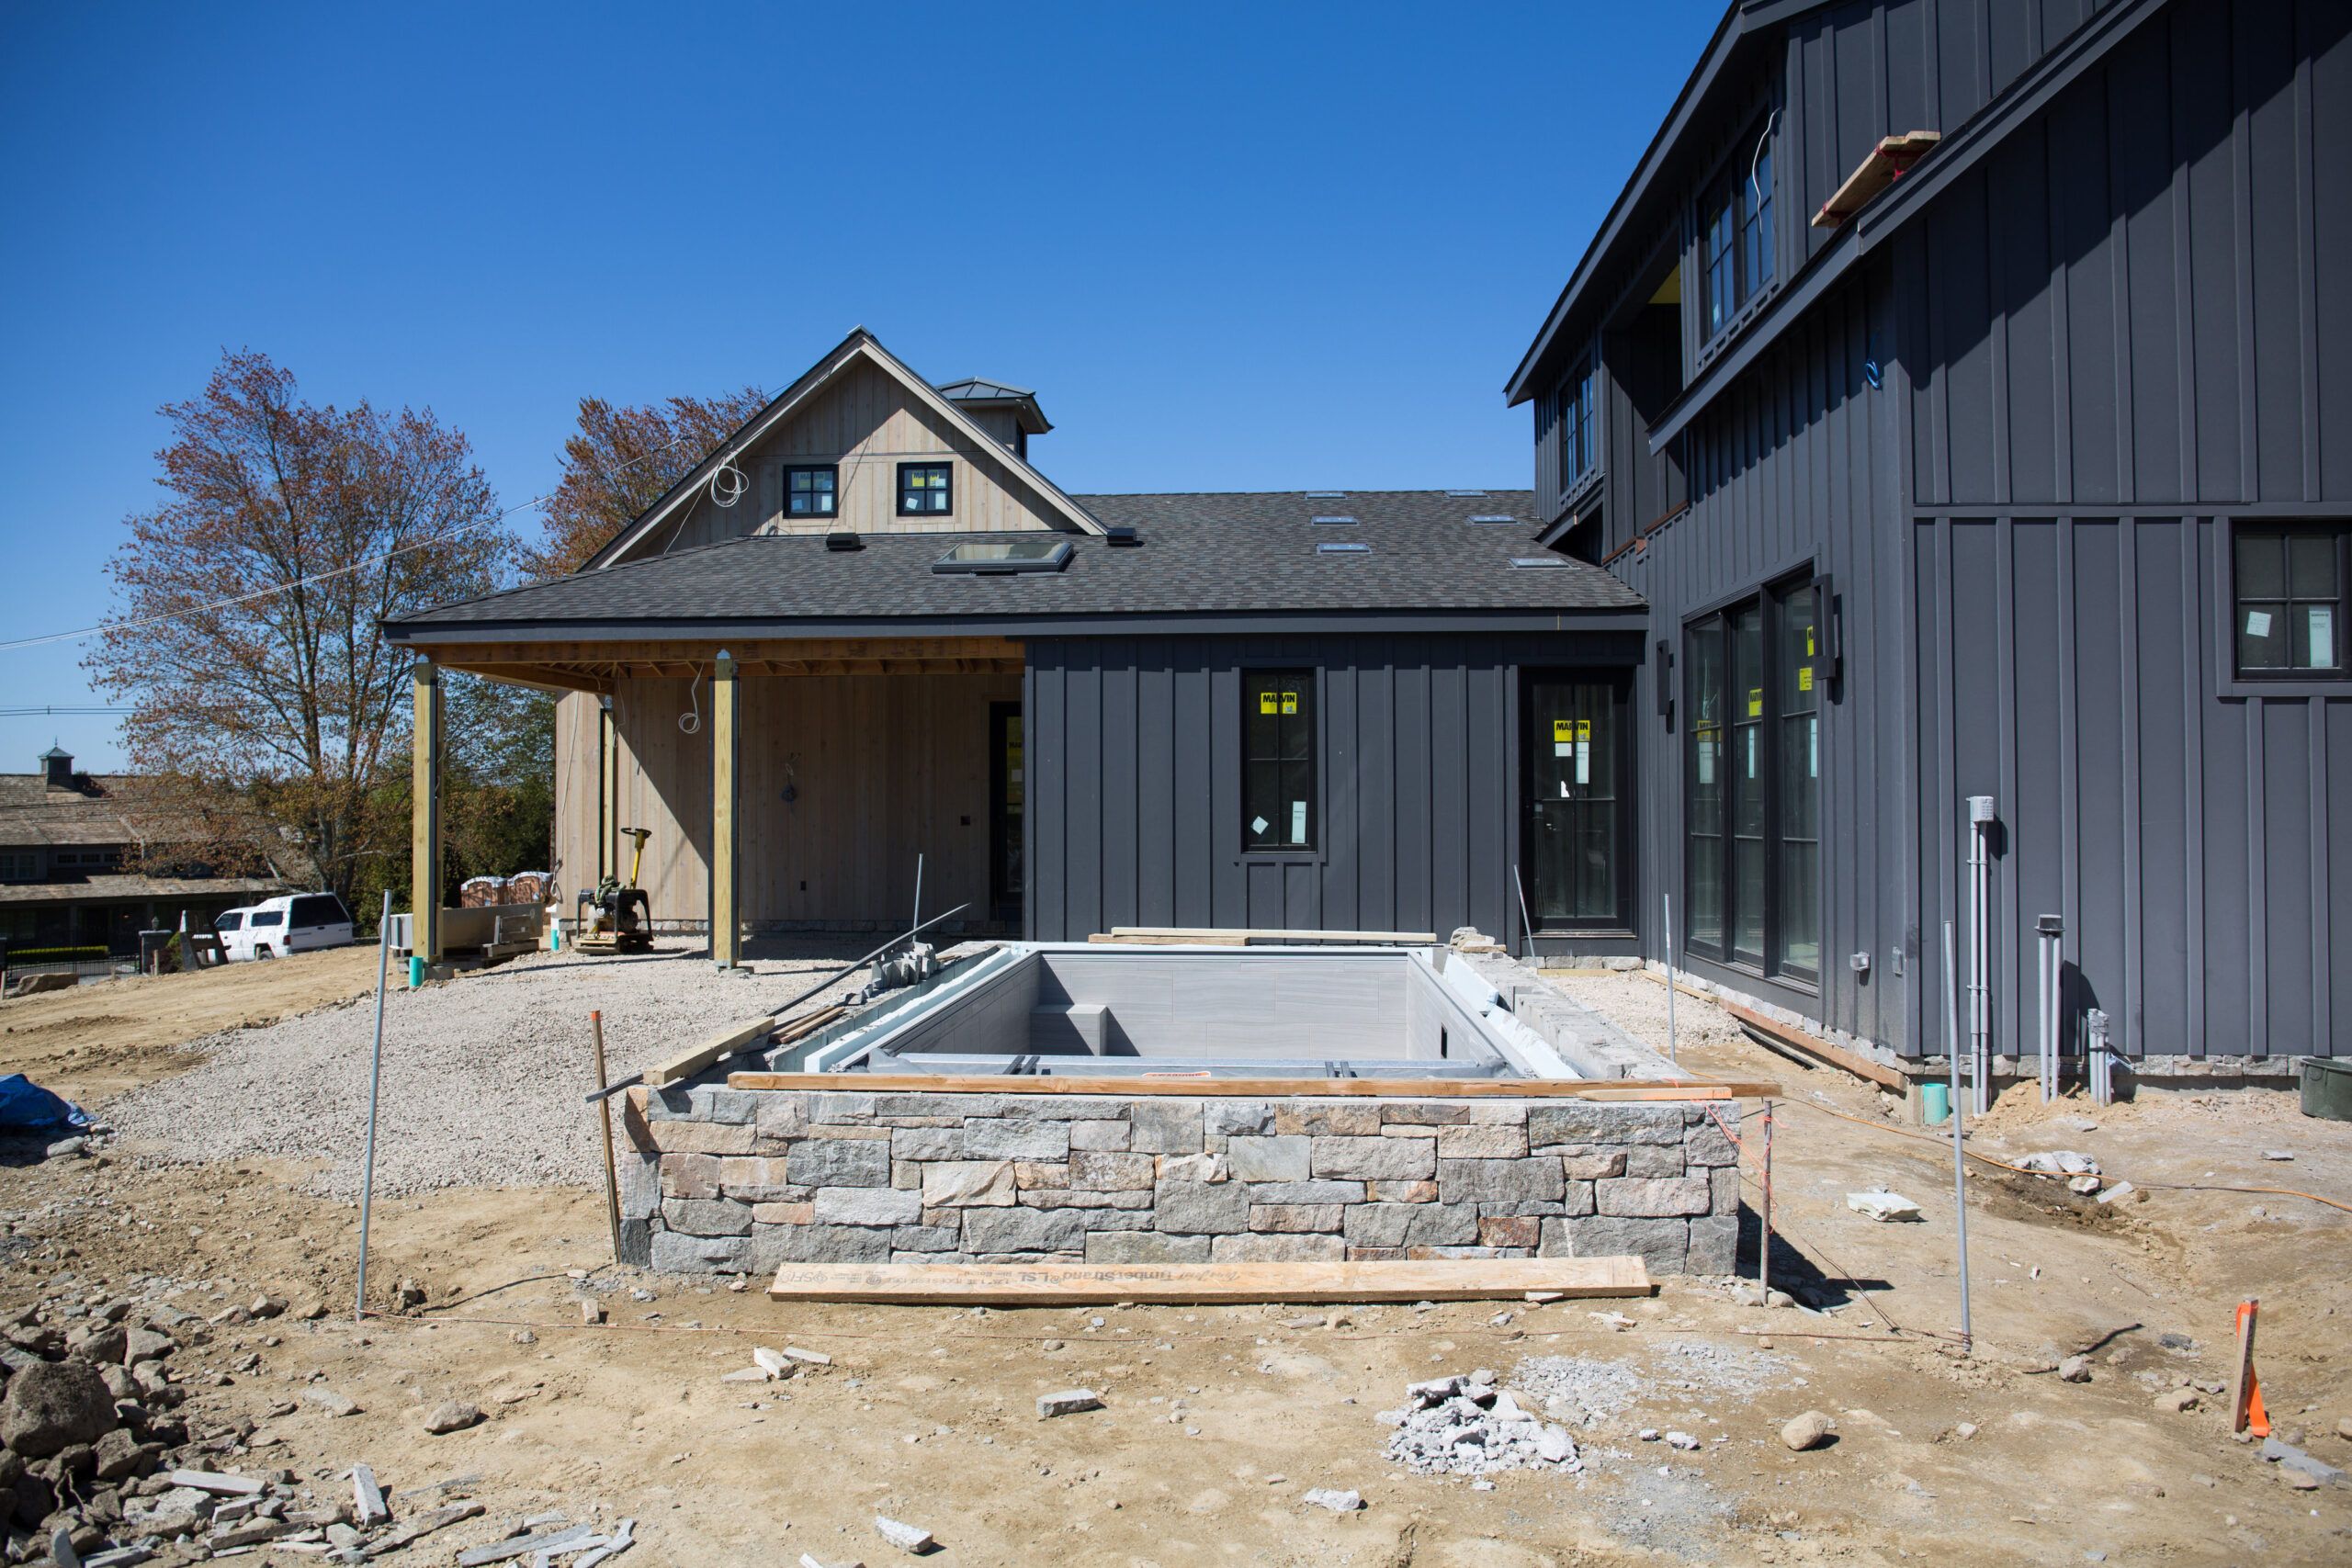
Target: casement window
(19,867)
(810,492)
(2288,591)
(1735,235)
(1578,434)
(926,489)
(1278,760)
(1752,861)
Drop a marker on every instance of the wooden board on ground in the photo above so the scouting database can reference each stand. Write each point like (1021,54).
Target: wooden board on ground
(1080,1284)
(1219,936)
(686,1064)
(1774,1032)
(1261,1089)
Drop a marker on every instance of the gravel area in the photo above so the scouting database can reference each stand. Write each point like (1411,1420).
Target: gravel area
(482,1074)
(1636,1004)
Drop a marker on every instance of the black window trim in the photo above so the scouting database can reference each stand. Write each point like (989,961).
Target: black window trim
(1307,677)
(1620,683)
(833,492)
(1579,389)
(2288,679)
(1768,596)
(941,464)
(1734,165)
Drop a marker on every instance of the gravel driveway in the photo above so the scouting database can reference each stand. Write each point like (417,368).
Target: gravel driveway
(482,1074)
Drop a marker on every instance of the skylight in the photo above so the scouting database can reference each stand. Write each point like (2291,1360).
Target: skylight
(1335,519)
(1465,495)
(1325,494)
(1532,563)
(1493,517)
(998,557)
(1335,548)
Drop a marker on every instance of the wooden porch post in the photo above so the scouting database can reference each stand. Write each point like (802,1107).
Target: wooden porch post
(726,913)
(425,820)
(608,789)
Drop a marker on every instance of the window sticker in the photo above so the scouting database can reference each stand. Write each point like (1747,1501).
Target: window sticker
(1751,753)
(1564,738)
(1259,825)
(1813,747)
(1706,761)
(1266,704)
(1805,677)
(1298,821)
(1756,702)
(2319,626)
(2257,623)
(1290,703)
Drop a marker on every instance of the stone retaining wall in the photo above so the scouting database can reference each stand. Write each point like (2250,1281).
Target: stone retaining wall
(739,1181)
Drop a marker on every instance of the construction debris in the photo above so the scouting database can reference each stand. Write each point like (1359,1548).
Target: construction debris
(1069,1401)
(1880,1204)
(905,1536)
(2059,1162)
(1468,1426)
(1809,1430)
(2287,1456)
(1337,1502)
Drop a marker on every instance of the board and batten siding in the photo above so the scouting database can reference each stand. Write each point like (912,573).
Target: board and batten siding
(1134,781)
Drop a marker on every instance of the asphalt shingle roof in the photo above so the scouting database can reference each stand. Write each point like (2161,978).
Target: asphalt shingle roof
(1208,553)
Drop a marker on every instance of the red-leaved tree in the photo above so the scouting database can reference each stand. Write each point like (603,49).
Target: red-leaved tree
(621,460)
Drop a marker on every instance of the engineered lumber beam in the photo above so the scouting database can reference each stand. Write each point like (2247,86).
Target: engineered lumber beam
(1208,1284)
(1245,937)
(1880,168)
(1813,1046)
(1261,1089)
(727,1043)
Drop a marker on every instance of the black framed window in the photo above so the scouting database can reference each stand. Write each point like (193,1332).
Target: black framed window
(926,489)
(1752,783)
(1278,760)
(2288,586)
(1735,235)
(1577,783)
(1578,436)
(810,492)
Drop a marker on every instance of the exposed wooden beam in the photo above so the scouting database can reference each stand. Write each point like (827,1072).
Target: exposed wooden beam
(545,677)
(726,819)
(425,818)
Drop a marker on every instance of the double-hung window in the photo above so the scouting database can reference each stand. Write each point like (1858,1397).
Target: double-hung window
(1278,760)
(1752,860)
(1578,435)
(2288,615)
(1736,235)
(926,489)
(809,491)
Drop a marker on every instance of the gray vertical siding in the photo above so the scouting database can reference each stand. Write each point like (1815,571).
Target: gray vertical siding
(1134,781)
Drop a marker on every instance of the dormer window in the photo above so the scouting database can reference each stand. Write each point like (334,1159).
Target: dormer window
(1735,235)
(926,489)
(810,492)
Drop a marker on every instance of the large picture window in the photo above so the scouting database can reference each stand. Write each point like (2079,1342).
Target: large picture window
(2287,615)
(1278,760)
(1735,235)
(1752,861)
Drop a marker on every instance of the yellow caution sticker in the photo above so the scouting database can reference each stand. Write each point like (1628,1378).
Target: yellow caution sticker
(1266,701)
(1805,677)
(1564,729)
(1289,702)
(1756,702)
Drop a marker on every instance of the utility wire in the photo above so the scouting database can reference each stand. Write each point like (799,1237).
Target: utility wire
(40,712)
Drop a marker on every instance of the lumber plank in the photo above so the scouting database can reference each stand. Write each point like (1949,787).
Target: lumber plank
(1813,1046)
(1247,936)
(1262,1089)
(686,1064)
(1076,1284)
(1880,167)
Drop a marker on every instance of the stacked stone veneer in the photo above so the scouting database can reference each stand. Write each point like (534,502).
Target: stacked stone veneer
(732,1179)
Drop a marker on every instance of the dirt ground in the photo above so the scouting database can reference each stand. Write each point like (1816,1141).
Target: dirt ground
(1217,1420)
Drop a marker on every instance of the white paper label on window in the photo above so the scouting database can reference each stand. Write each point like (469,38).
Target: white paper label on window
(1584,762)
(1564,748)
(2257,623)
(1298,821)
(1751,733)
(1706,761)
(1813,749)
(2318,620)
(1259,825)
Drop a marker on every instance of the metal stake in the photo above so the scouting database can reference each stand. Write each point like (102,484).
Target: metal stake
(605,1110)
(1959,1178)
(1764,1253)
(1526,926)
(1670,1055)
(917,922)
(375,1080)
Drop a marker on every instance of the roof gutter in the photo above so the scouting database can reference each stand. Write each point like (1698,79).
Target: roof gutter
(429,636)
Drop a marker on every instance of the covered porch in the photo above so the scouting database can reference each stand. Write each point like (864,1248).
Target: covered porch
(787,785)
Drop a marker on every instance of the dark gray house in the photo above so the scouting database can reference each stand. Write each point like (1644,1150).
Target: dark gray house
(2010,461)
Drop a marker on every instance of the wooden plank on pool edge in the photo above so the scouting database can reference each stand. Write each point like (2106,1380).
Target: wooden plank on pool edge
(1208,1284)
(1262,1089)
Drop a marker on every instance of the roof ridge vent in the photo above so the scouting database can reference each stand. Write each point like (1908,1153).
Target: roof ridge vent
(1122,536)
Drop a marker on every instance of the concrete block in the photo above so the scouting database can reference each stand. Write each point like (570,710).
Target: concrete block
(1007,1137)
(1199,1207)
(963,1184)
(1639,1198)
(1250,1157)
(690,1176)
(839,1162)
(1023,1230)
(1704,1144)
(1401,1191)
(1392,1159)
(673,1252)
(752,1177)
(702,1137)
(1654,1161)
(707,1217)
(1587,1162)
(927,1143)
(1499,1180)
(1099,1171)
(1267,1218)
(866,1206)
(1482,1143)
(1235,1118)
(1165,1126)
(1277,1250)
(1316,1191)
(1028,1173)
(1321,1121)
(1509,1231)
(1601,1121)
(1714,1244)
(1107,1134)
(1662,1245)
(1145,1246)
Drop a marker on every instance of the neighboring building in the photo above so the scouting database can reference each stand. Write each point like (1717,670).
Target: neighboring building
(2027,480)
(78,868)
(1272,710)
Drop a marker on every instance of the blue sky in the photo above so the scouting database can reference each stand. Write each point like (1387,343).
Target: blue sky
(1232,247)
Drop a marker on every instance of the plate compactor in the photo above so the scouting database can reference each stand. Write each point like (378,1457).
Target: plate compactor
(616,918)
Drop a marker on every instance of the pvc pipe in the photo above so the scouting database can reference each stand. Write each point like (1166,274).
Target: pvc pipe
(1670,1055)
(1959,1172)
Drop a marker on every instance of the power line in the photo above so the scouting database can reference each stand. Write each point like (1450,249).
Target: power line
(58,711)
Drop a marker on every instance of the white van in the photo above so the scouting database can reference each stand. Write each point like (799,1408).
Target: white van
(293,922)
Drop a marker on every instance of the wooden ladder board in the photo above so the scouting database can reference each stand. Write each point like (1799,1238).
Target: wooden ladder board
(1208,1284)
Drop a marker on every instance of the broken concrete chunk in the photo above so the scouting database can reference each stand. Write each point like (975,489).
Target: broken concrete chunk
(2290,1458)
(217,1484)
(333,1404)
(775,1363)
(1069,1401)
(2059,1162)
(1337,1502)
(1809,1430)
(366,1497)
(905,1536)
(1882,1205)
(814,1358)
(451,1415)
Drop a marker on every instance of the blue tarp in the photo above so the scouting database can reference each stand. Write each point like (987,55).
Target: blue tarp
(25,1106)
